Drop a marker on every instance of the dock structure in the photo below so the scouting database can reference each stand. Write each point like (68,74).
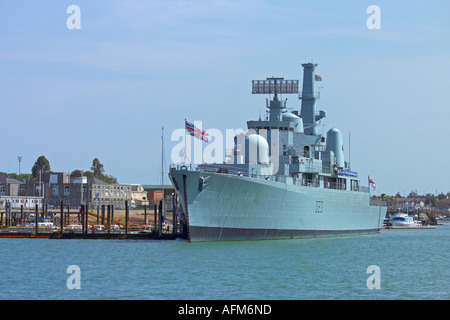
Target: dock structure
(117,236)
(411,227)
(84,224)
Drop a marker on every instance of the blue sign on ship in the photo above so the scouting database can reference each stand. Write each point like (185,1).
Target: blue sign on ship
(347,173)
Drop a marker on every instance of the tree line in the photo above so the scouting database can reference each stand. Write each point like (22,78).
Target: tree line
(428,199)
(42,165)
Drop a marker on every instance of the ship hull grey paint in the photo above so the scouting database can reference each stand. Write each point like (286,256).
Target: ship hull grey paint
(229,207)
(212,234)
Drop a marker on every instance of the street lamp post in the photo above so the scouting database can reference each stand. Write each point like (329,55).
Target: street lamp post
(20,160)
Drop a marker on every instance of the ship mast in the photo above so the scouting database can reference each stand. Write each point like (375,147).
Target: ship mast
(275,86)
(309,97)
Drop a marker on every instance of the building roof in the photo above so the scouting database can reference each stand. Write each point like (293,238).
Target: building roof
(6,179)
(94,180)
(89,180)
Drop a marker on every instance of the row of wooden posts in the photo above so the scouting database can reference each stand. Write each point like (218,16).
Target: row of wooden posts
(106,210)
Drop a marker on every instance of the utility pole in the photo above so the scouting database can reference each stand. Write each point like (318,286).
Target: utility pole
(20,160)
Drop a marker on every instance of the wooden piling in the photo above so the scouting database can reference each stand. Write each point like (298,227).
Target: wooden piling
(103,214)
(86,216)
(68,212)
(6,214)
(81,213)
(112,214)
(155,212)
(174,216)
(127,212)
(160,217)
(36,218)
(145,214)
(108,218)
(61,216)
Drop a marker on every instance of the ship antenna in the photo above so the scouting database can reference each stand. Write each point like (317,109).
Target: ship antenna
(275,86)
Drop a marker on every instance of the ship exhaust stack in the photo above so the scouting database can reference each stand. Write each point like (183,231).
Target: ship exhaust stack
(308,97)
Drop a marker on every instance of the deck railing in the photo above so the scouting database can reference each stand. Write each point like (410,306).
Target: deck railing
(277,178)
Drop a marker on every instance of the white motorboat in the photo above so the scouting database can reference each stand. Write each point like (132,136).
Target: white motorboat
(404,220)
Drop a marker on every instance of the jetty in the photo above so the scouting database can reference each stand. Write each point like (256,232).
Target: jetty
(87,224)
(411,227)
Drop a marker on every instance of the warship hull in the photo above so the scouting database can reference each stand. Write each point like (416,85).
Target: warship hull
(222,206)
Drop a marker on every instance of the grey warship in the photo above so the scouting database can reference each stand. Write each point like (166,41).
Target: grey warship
(284,180)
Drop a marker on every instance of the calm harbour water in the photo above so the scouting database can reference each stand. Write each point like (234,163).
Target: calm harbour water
(414,264)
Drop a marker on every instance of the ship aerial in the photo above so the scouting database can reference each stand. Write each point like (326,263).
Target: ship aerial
(283,179)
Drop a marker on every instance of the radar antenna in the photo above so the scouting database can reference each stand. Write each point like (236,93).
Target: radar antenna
(275,86)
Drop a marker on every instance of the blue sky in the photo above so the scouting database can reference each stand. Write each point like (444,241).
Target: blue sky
(134,66)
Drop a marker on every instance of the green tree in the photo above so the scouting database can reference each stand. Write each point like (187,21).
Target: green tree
(97,167)
(79,173)
(41,165)
(107,178)
(430,199)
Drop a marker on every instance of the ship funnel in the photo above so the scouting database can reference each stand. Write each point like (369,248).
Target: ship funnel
(308,96)
(334,143)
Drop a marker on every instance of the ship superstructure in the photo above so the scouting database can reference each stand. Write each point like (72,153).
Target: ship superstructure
(283,179)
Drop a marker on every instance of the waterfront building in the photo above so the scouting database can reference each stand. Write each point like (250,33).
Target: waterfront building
(139,196)
(8,186)
(154,191)
(55,187)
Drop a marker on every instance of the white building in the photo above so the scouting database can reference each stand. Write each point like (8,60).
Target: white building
(18,201)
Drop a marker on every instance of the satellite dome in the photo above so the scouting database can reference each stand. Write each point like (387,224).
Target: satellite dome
(256,149)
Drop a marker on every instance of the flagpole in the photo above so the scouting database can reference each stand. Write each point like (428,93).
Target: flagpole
(368,184)
(184,140)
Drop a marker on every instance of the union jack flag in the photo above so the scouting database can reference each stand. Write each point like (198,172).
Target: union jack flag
(196,132)
(372,183)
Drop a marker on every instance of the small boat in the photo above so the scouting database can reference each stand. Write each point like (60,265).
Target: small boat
(99,227)
(73,227)
(146,228)
(46,224)
(404,220)
(115,227)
